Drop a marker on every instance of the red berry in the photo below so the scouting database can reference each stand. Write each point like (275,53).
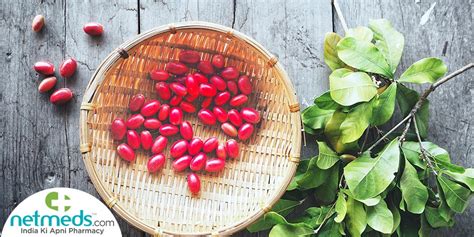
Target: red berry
(176,100)
(232,87)
(118,129)
(198,162)
(232,148)
(168,130)
(220,114)
(45,68)
(47,84)
(68,67)
(210,144)
(163,90)
(150,108)
(245,131)
(179,148)
(230,73)
(191,98)
(206,102)
(146,139)
(195,146)
(135,121)
(61,96)
(207,90)
(250,115)
(234,117)
(189,56)
(192,85)
(238,100)
(244,84)
(182,163)
(186,130)
(220,151)
(133,139)
(218,82)
(205,67)
(159,144)
(126,152)
(152,124)
(155,163)
(207,117)
(164,112)
(187,107)
(93,29)
(222,98)
(217,61)
(159,75)
(136,102)
(200,78)
(178,89)
(38,23)
(194,183)
(176,68)
(176,116)
(214,165)
(229,129)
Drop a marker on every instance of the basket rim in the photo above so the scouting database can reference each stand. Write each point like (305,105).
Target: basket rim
(99,75)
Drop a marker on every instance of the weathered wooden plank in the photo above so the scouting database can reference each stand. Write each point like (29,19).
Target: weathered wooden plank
(447,34)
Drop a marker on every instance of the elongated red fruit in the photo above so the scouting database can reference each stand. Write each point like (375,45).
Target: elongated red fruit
(220,151)
(135,121)
(118,129)
(207,90)
(159,75)
(93,29)
(68,67)
(217,61)
(218,82)
(198,162)
(191,98)
(159,144)
(189,56)
(179,148)
(155,163)
(222,98)
(192,85)
(229,129)
(250,115)
(146,139)
(220,114)
(176,100)
(232,148)
(164,112)
(182,163)
(210,144)
(43,67)
(238,100)
(245,131)
(244,84)
(186,130)
(47,84)
(205,67)
(176,68)
(187,107)
(176,116)
(206,102)
(230,73)
(232,87)
(195,146)
(168,130)
(200,78)
(152,124)
(150,108)
(136,102)
(207,117)
(38,23)
(234,117)
(194,183)
(178,89)
(163,90)
(61,96)
(126,152)
(214,165)
(133,139)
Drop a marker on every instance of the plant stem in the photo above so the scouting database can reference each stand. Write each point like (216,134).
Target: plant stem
(340,16)
(422,149)
(329,214)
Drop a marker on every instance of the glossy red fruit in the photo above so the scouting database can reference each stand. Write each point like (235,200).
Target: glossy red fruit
(47,84)
(180,80)
(118,129)
(168,130)
(191,98)
(220,114)
(155,163)
(244,84)
(133,139)
(189,56)
(146,139)
(135,121)
(222,98)
(232,148)
(214,165)
(178,89)
(207,117)
(218,82)
(176,116)
(200,78)
(230,73)
(68,67)
(38,23)
(61,96)
(217,61)
(234,117)
(210,144)
(207,90)
(126,152)
(179,148)
(164,112)
(198,162)
(152,124)
(136,102)
(45,68)
(163,90)
(93,29)
(176,68)
(159,75)
(229,129)
(250,115)
(192,85)
(159,144)
(205,67)
(182,163)
(186,130)
(220,151)
(206,102)
(150,108)
(176,100)
(195,146)
(245,131)
(187,107)
(232,87)
(238,100)
(194,183)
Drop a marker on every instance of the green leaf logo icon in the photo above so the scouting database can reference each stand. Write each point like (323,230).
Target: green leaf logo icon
(56,202)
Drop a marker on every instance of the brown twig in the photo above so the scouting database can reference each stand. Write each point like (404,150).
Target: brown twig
(339,14)
(422,149)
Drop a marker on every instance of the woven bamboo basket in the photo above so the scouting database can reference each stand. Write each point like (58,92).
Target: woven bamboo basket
(160,203)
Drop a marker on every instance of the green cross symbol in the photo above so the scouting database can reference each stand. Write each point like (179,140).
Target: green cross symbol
(53,202)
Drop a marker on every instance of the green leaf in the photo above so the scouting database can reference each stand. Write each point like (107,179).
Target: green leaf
(356,122)
(326,192)
(434,218)
(414,192)
(356,218)
(330,229)
(441,157)
(384,106)
(326,102)
(389,41)
(351,88)
(466,178)
(406,99)
(361,33)
(316,118)
(427,70)
(422,117)
(363,55)
(380,218)
(282,207)
(341,207)
(411,151)
(371,201)
(457,196)
(313,177)
(287,230)
(327,157)
(316,215)
(367,177)
(330,54)
(300,171)
(334,135)
(425,228)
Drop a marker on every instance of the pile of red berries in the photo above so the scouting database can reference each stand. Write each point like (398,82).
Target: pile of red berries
(220,93)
